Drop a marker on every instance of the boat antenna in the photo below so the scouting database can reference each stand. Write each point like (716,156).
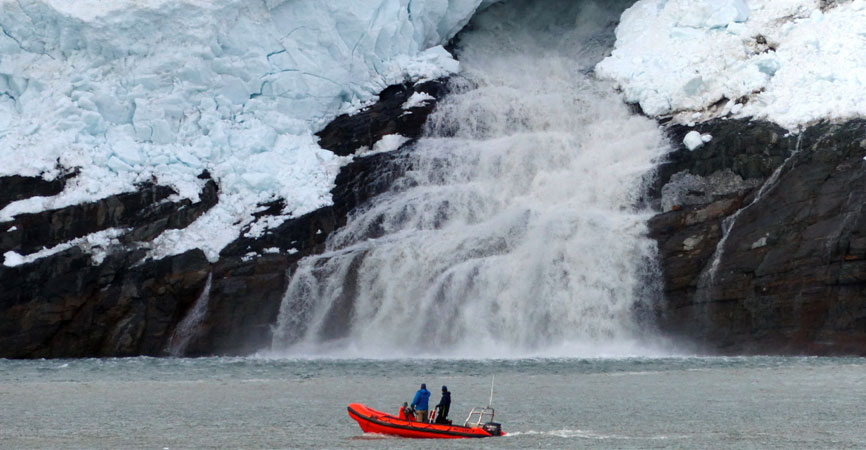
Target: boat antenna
(491,390)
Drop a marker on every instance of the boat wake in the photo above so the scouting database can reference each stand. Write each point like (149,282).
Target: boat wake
(566,433)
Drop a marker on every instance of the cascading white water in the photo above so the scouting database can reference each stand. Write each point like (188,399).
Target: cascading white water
(515,230)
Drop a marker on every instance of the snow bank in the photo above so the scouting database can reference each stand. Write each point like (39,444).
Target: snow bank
(786,61)
(96,243)
(131,90)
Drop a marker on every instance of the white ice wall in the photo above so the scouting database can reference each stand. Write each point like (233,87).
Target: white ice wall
(130,90)
(792,62)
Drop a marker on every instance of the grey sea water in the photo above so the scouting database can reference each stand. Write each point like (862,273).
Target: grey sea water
(250,403)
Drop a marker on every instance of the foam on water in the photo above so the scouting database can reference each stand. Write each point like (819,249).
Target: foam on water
(515,229)
(567,433)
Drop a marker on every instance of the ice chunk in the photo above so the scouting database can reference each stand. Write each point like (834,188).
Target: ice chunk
(128,153)
(417,99)
(388,143)
(12,259)
(711,13)
(693,140)
(762,242)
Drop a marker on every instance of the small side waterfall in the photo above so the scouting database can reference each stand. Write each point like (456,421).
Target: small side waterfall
(515,230)
(188,327)
(708,276)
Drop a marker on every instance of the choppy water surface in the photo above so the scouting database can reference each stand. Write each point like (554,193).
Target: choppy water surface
(736,403)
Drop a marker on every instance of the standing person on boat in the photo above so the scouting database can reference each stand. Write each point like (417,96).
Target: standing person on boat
(420,403)
(444,405)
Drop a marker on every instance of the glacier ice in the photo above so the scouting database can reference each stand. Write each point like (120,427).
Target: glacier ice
(131,90)
(693,140)
(789,61)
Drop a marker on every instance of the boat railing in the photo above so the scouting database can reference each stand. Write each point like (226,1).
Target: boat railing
(478,417)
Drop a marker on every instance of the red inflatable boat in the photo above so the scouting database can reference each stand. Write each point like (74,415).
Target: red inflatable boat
(475,426)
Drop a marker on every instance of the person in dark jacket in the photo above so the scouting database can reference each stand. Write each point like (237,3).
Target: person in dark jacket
(444,406)
(420,403)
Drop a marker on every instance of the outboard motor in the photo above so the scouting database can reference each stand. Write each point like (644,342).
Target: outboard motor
(495,429)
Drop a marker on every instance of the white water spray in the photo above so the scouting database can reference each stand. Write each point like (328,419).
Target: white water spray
(514,232)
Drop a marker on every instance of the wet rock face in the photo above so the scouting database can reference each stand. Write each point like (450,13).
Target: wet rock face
(346,134)
(72,304)
(16,187)
(790,277)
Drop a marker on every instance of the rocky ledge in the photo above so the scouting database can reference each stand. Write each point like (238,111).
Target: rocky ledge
(762,242)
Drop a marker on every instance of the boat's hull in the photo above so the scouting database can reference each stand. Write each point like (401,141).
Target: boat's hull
(372,421)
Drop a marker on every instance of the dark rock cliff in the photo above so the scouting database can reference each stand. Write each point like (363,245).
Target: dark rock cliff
(76,304)
(762,244)
(762,247)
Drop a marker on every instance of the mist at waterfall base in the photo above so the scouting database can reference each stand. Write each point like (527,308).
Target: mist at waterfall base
(515,230)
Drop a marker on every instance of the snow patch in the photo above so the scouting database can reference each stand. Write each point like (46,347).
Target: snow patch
(97,244)
(265,223)
(792,63)
(760,243)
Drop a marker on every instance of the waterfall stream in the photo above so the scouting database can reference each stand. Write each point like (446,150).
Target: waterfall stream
(189,326)
(708,277)
(515,230)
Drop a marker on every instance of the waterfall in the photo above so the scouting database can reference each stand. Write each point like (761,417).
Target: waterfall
(189,326)
(515,230)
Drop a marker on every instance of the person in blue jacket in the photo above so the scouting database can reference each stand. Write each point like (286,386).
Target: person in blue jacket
(420,403)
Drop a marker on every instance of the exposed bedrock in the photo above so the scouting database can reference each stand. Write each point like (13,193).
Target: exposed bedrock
(17,187)
(762,252)
(65,306)
(346,134)
(111,300)
(74,303)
